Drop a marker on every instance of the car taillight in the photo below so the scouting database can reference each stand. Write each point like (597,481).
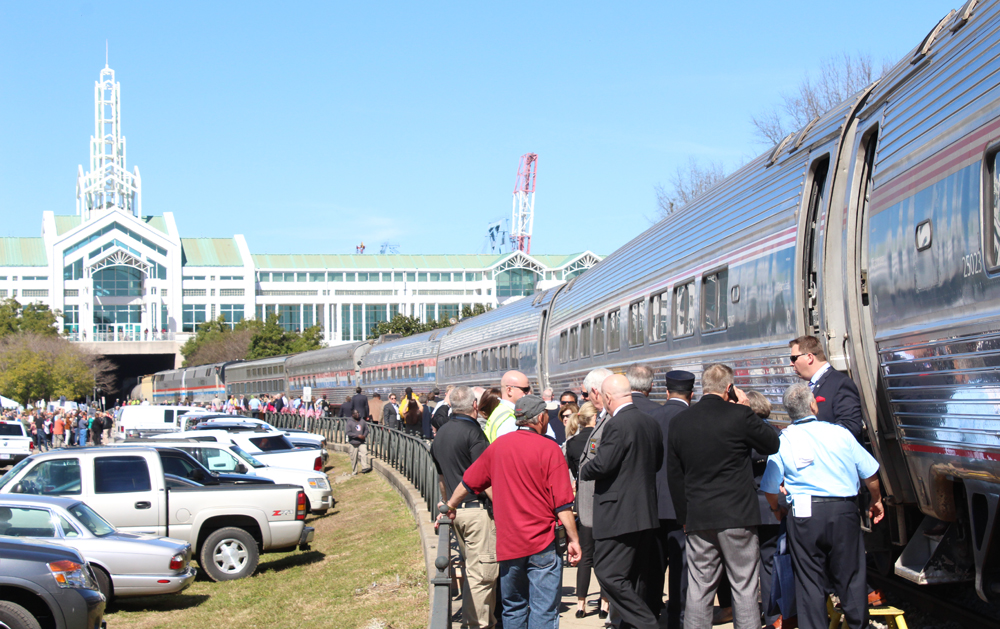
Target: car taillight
(318,464)
(177,562)
(300,506)
(31,446)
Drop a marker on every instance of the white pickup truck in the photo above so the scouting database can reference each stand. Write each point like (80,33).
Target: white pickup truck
(228,525)
(15,443)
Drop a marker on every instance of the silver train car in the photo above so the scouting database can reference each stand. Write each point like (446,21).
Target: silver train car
(392,365)
(477,351)
(266,375)
(876,227)
(198,385)
(332,371)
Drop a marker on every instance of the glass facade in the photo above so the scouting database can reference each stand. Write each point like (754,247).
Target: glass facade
(373,314)
(515,283)
(290,317)
(194,315)
(118,281)
(232,312)
(71,319)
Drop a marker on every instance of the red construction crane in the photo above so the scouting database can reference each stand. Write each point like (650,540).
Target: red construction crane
(524,203)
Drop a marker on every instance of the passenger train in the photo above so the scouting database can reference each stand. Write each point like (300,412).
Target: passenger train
(876,227)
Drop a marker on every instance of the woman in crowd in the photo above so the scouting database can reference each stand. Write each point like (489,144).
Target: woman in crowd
(488,401)
(580,424)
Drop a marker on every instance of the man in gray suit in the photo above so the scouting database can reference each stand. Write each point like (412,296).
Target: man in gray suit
(585,488)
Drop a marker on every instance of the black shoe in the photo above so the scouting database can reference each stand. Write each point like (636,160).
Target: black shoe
(602,614)
(581,614)
(365,471)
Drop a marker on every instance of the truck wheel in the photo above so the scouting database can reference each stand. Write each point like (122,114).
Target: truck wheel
(13,616)
(228,554)
(104,583)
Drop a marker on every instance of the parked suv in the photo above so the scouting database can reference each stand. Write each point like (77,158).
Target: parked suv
(43,584)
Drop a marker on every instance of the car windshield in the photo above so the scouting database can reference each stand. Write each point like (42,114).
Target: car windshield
(272,442)
(89,518)
(11,430)
(243,454)
(12,472)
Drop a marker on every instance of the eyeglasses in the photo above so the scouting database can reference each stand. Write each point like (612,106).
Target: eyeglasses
(566,415)
(795,357)
(525,390)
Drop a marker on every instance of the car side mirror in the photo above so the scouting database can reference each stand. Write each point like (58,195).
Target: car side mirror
(241,469)
(17,489)
(196,475)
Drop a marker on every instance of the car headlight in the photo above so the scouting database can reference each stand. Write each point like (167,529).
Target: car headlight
(70,574)
(319,483)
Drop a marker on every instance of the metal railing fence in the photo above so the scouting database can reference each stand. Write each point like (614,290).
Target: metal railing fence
(411,457)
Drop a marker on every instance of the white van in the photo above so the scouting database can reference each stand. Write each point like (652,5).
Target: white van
(142,421)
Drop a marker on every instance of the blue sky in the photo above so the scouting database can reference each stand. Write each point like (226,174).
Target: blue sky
(310,127)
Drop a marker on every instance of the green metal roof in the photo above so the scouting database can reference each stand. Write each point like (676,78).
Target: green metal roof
(23,252)
(556,261)
(66,223)
(210,252)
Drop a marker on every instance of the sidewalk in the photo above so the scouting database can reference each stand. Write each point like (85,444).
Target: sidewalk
(567,617)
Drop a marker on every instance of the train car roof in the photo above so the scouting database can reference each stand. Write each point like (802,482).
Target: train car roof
(512,322)
(327,354)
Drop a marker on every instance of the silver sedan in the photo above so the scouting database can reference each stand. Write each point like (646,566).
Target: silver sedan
(125,564)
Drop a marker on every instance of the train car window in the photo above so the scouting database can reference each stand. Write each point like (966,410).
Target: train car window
(420,371)
(684,310)
(563,345)
(636,324)
(614,330)
(659,325)
(503,358)
(493,359)
(515,358)
(714,293)
(585,339)
(599,335)
(574,342)
(991,196)
(468,363)
(485,360)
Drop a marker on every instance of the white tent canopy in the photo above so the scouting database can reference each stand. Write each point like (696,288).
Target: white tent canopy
(6,402)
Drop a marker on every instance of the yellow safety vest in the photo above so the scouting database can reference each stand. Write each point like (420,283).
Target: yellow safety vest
(497,418)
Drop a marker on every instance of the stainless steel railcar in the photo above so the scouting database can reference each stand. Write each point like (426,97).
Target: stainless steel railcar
(479,350)
(265,375)
(332,371)
(392,366)
(195,384)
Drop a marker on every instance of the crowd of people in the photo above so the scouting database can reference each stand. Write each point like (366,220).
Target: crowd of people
(63,427)
(671,506)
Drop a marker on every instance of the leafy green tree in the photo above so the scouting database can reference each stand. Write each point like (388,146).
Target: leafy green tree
(216,342)
(408,326)
(273,340)
(34,318)
(45,367)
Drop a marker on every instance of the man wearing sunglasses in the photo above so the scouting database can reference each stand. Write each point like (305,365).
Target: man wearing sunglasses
(836,394)
(514,385)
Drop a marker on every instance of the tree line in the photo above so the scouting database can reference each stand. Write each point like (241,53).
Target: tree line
(37,363)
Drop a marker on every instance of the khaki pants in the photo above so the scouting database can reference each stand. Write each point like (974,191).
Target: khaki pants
(359,454)
(477,539)
(57,441)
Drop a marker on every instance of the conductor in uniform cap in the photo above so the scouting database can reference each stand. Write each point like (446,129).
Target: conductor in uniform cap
(670,536)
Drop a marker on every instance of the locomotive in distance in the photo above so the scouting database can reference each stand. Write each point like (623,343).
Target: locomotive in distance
(875,227)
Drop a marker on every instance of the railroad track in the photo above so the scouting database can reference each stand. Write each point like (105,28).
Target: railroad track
(931,600)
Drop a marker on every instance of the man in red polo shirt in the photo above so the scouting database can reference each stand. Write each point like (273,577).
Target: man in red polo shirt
(531,491)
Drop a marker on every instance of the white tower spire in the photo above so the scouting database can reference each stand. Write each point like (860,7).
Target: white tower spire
(108,185)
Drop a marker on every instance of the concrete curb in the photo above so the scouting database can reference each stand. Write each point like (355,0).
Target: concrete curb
(414,501)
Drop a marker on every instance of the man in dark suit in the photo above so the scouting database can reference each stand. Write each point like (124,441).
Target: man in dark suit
(640,379)
(625,514)
(359,403)
(670,535)
(711,484)
(836,394)
(347,408)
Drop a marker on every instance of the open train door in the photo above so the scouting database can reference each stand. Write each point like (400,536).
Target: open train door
(859,344)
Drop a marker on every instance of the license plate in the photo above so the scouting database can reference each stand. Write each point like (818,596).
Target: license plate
(4,456)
